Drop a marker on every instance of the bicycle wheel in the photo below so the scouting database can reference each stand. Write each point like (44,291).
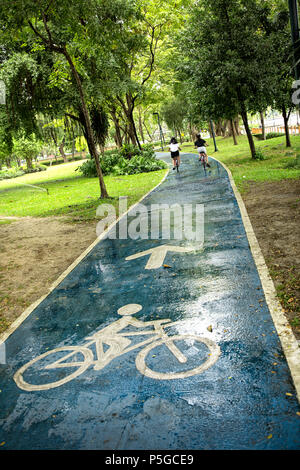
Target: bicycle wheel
(56,364)
(213,355)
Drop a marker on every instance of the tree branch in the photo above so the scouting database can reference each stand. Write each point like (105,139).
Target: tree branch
(48,42)
(153,48)
(37,33)
(72,116)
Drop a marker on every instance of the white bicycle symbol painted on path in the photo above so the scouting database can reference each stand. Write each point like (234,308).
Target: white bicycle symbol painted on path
(111,343)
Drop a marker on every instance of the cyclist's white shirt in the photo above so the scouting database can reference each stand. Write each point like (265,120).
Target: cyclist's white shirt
(174,147)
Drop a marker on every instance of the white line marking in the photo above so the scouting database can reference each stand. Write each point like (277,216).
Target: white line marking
(158,254)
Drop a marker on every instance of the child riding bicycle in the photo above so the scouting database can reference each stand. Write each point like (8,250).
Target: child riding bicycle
(201,147)
(174,149)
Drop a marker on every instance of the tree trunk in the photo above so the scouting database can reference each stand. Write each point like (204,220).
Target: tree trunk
(233,132)
(263,128)
(54,140)
(286,126)
(29,163)
(126,135)
(218,128)
(224,128)
(132,128)
(131,132)
(141,126)
(118,136)
(248,131)
(8,162)
(237,126)
(61,150)
(147,130)
(73,144)
(90,135)
(128,111)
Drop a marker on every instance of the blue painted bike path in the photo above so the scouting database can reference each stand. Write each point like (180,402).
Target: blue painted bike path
(55,395)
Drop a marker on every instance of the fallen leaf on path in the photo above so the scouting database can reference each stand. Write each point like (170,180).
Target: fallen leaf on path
(209,328)
(166,266)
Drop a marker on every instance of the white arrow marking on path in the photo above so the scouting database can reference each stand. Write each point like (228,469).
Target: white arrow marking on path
(158,254)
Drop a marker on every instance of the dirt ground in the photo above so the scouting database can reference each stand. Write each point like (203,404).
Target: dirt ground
(36,251)
(274,211)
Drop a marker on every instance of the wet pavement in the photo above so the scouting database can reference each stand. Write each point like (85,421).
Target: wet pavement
(174,348)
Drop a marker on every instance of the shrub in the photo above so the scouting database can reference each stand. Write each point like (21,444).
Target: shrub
(272,135)
(60,160)
(127,161)
(258,136)
(53,162)
(129,151)
(35,168)
(138,164)
(88,168)
(259,155)
(11,173)
(77,158)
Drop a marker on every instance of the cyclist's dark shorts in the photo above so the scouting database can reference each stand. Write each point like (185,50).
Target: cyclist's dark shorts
(175,154)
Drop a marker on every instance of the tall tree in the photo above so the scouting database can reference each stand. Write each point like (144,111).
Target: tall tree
(226,59)
(68,31)
(140,54)
(280,51)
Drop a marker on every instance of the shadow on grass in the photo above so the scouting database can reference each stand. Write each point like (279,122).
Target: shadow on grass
(84,211)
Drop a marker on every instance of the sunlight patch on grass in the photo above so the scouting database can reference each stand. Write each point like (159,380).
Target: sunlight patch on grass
(69,193)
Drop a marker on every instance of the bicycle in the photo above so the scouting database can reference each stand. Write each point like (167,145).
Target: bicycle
(119,344)
(202,160)
(176,164)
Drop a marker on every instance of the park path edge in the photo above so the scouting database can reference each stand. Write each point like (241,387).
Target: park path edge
(34,305)
(287,338)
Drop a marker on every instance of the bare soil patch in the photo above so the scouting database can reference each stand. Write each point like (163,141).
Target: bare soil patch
(34,253)
(274,208)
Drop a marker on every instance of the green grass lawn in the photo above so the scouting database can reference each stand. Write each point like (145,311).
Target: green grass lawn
(69,193)
(279,161)
(78,197)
